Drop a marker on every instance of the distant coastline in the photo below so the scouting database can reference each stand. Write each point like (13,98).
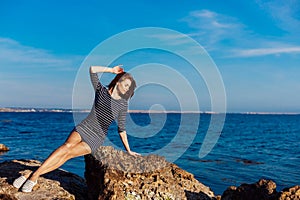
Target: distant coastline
(17,109)
(63,110)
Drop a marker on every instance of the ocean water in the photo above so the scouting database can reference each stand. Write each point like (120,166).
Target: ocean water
(250,147)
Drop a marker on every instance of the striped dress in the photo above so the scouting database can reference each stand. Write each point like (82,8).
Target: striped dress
(105,110)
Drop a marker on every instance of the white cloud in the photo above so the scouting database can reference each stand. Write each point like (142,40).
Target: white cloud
(12,53)
(212,27)
(285,14)
(265,51)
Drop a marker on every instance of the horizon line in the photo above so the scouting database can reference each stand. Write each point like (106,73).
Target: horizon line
(32,109)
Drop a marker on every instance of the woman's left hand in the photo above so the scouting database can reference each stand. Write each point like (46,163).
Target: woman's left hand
(134,153)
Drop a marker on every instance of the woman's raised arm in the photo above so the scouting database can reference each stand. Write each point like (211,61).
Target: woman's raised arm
(101,69)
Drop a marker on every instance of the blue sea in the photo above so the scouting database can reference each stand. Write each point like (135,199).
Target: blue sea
(250,146)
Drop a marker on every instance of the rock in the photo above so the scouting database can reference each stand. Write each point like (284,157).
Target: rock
(3,148)
(112,174)
(290,193)
(58,184)
(262,190)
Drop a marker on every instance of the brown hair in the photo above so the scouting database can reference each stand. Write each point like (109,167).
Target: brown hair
(120,77)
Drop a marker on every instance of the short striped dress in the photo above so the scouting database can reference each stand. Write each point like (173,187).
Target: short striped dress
(105,110)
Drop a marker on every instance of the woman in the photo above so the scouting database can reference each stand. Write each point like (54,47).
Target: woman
(109,104)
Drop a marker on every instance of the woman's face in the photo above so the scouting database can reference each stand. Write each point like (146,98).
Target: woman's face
(123,86)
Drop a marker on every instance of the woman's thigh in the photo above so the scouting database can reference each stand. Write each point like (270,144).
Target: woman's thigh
(76,146)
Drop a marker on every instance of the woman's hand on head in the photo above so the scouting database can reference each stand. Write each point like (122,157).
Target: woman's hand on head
(117,69)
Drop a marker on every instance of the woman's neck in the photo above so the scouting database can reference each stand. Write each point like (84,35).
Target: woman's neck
(114,94)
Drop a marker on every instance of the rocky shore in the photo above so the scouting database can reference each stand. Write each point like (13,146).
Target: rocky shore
(113,174)
(58,184)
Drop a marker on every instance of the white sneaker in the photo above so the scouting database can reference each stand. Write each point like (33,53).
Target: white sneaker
(19,182)
(27,187)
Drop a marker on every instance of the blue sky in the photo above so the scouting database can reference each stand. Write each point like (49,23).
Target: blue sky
(255,45)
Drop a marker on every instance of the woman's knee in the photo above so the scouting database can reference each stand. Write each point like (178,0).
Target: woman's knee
(79,150)
(65,149)
(67,146)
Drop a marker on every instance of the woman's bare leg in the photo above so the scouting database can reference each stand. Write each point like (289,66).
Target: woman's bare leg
(73,147)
